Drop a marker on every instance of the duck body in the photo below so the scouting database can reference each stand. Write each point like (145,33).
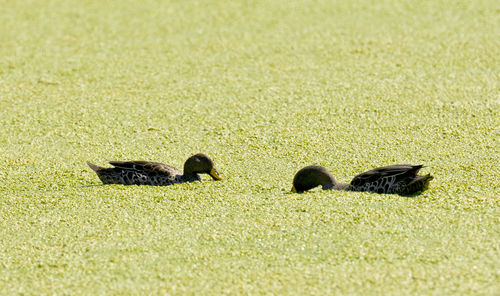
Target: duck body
(402,179)
(154,173)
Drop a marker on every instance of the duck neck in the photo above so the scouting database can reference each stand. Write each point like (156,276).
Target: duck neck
(334,185)
(341,186)
(190,176)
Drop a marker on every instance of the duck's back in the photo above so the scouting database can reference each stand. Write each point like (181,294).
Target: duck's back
(394,179)
(138,173)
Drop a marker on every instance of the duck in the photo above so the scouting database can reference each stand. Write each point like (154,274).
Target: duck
(402,179)
(141,172)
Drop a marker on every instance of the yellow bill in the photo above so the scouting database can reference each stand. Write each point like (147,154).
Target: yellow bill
(215,175)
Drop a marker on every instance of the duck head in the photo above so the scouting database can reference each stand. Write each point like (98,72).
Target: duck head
(201,164)
(313,176)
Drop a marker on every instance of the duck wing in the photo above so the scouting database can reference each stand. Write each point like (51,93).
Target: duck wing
(392,174)
(146,167)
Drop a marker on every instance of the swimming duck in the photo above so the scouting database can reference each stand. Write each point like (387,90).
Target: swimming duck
(154,173)
(402,179)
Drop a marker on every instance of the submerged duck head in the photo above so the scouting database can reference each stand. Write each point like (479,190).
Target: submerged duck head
(312,176)
(201,164)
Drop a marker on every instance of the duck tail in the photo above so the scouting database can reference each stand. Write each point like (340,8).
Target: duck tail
(421,181)
(94,167)
(426,180)
(416,168)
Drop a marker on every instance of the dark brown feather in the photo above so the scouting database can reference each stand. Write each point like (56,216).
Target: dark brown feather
(147,167)
(400,171)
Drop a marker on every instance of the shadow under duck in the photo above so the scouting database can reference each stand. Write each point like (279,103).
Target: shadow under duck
(156,174)
(402,179)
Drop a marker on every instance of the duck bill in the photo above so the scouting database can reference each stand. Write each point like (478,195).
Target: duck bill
(213,173)
(293,189)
